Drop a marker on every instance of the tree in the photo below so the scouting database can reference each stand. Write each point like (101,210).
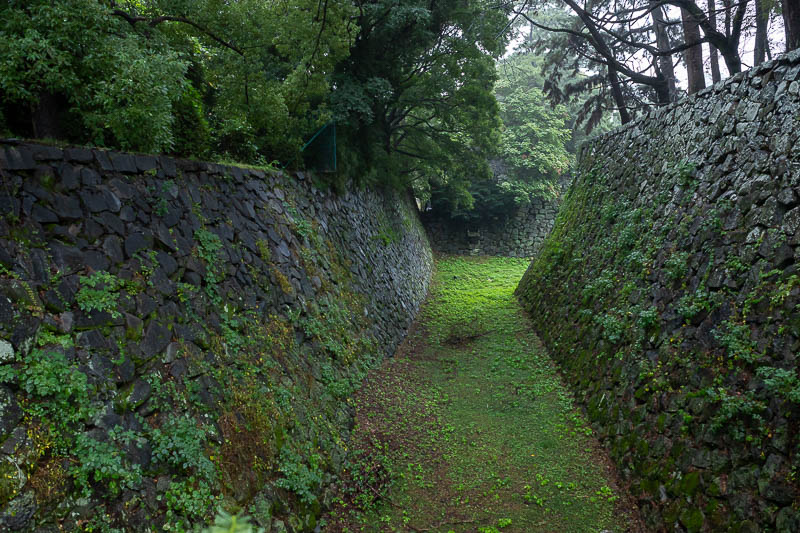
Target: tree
(264,67)
(631,47)
(68,67)
(409,82)
(693,56)
(726,43)
(661,30)
(152,75)
(414,98)
(579,41)
(716,75)
(532,153)
(535,134)
(790,10)
(761,43)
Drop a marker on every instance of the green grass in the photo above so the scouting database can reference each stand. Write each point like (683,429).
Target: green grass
(473,424)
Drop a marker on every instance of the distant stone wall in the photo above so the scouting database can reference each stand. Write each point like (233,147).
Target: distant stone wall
(176,334)
(520,235)
(669,292)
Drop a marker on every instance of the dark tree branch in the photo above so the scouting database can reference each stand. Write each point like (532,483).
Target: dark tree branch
(153,22)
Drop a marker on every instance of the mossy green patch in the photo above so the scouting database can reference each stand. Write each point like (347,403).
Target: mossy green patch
(472,424)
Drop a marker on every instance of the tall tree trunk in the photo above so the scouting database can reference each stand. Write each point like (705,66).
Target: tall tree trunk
(662,43)
(45,117)
(728,8)
(619,98)
(760,50)
(791,23)
(712,19)
(694,55)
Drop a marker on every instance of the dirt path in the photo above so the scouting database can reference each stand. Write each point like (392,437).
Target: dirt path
(469,427)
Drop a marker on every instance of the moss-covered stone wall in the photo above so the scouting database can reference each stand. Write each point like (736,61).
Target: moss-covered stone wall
(669,293)
(177,336)
(517,235)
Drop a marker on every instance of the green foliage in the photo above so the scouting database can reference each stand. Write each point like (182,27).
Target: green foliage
(606,492)
(100,292)
(209,247)
(613,327)
(414,99)
(251,76)
(534,138)
(648,318)
(691,304)
(736,411)
(684,173)
(781,382)
(734,264)
(192,133)
(58,392)
(187,500)
(160,204)
(185,291)
(58,401)
(598,287)
(102,462)
(676,266)
(132,108)
(333,325)
(531,152)
(118,85)
(736,339)
(630,229)
(267,115)
(784,289)
(300,224)
(225,522)
(47,337)
(181,444)
(301,478)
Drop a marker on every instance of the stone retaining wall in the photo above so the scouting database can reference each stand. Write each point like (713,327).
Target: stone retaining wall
(176,335)
(518,236)
(669,292)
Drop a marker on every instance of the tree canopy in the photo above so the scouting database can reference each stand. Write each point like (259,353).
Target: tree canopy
(150,75)
(531,154)
(408,82)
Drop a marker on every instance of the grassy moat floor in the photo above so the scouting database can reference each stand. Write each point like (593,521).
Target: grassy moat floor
(470,428)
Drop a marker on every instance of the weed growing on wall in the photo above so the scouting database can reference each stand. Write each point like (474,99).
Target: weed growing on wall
(301,473)
(684,173)
(101,463)
(388,233)
(209,247)
(302,226)
(58,393)
(100,292)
